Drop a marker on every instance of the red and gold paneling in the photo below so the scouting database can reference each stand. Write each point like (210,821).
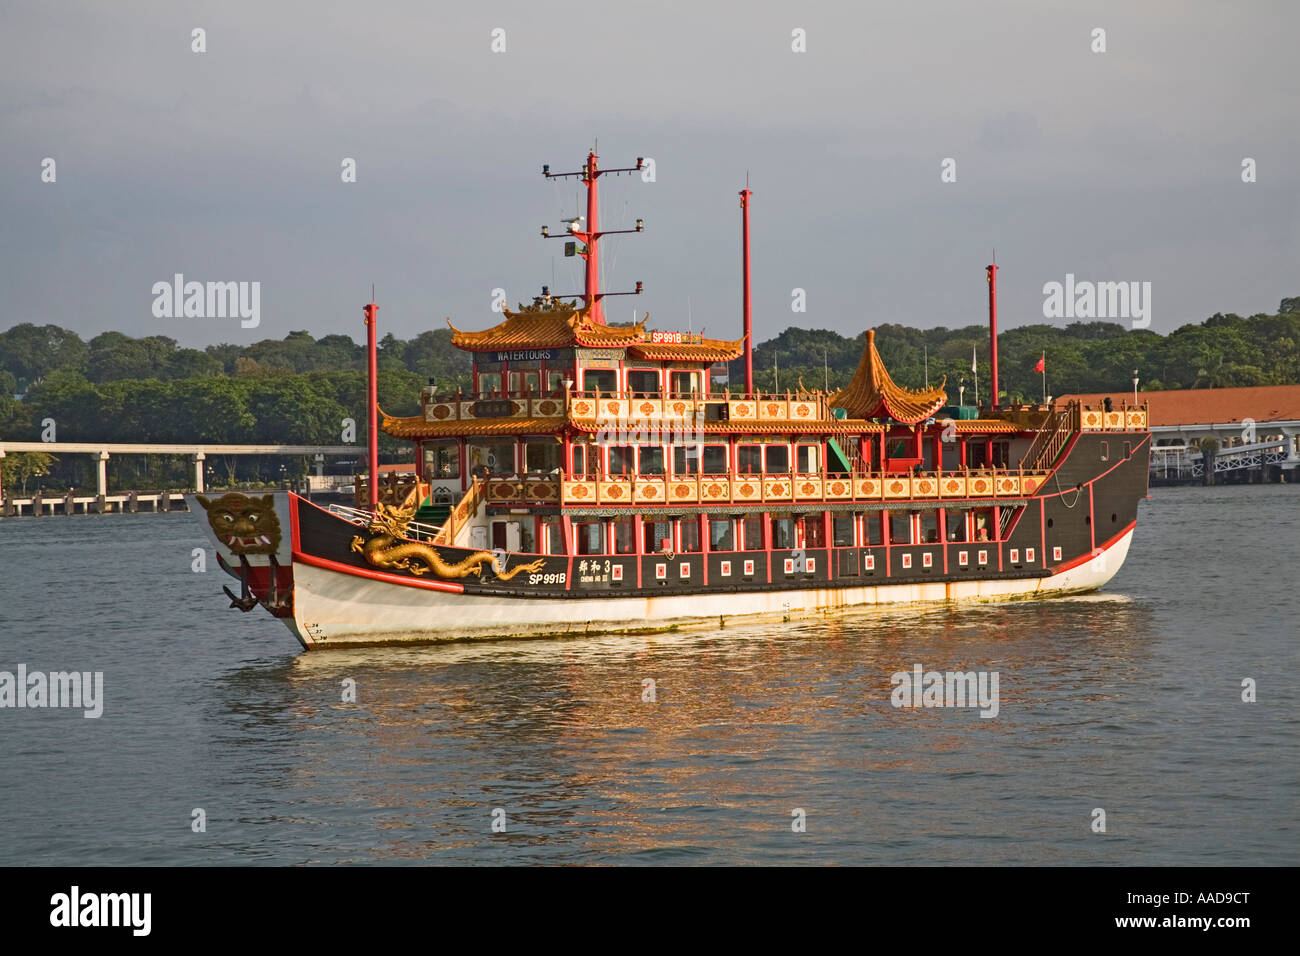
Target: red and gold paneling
(714,489)
(1137,418)
(650,490)
(803,411)
(583,408)
(1091,418)
(927,487)
(979,486)
(899,486)
(439,412)
(546,407)
(867,487)
(773,410)
(678,408)
(1007,484)
(615,491)
(747,489)
(952,486)
(776,489)
(581,492)
(742,411)
(806,486)
(679,491)
(838,488)
(1030,483)
(612,408)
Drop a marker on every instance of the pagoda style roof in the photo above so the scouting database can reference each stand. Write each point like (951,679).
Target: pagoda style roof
(415,427)
(699,350)
(548,328)
(873,394)
(545,328)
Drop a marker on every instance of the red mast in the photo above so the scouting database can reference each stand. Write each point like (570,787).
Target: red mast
(372,401)
(591,235)
(748,311)
(592,284)
(992,271)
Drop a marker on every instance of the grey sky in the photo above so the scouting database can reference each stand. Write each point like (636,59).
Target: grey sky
(226,165)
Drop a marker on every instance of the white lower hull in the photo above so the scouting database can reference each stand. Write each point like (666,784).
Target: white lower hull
(333,609)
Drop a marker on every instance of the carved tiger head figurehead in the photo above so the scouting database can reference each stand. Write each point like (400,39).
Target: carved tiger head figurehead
(244,524)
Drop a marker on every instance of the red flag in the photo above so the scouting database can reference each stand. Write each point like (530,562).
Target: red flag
(1042,363)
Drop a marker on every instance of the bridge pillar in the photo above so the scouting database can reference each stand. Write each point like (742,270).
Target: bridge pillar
(198,472)
(101,459)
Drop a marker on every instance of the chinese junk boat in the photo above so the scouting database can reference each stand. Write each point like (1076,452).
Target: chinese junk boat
(597,478)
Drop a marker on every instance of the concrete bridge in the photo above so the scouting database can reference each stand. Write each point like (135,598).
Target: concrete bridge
(101,452)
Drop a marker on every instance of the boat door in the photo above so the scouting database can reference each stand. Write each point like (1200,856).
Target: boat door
(505,536)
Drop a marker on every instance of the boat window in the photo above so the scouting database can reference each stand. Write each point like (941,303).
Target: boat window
(900,528)
(930,527)
(814,531)
(585,459)
(807,457)
(599,380)
(782,532)
(643,381)
(521,382)
(653,535)
(624,537)
(590,537)
(441,461)
(720,535)
(555,382)
(984,524)
(1001,454)
(489,382)
(842,531)
(956,524)
(686,460)
(690,534)
(778,459)
(752,528)
(684,383)
(871,528)
(650,460)
(751,459)
(621,460)
(495,458)
(715,460)
(542,457)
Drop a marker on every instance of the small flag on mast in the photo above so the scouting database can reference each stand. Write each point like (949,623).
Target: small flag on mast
(972,359)
(1042,363)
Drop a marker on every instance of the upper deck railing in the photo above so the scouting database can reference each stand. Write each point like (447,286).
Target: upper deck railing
(744,489)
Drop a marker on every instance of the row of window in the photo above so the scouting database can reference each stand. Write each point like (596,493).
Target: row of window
(787,531)
(640,381)
(442,461)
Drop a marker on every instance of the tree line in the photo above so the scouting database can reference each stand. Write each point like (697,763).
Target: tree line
(300,389)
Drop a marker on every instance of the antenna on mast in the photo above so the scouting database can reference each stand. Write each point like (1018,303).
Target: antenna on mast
(585,234)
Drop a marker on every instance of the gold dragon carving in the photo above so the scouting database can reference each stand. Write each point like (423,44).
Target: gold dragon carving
(387,548)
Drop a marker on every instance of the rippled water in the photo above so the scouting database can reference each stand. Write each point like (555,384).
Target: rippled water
(1129,700)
